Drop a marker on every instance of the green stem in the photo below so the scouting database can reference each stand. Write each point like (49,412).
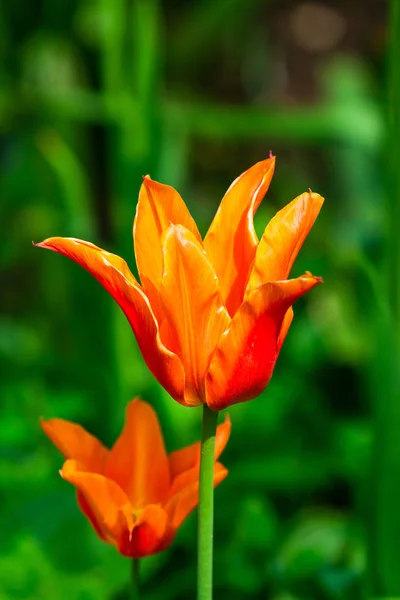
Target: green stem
(134,595)
(206,505)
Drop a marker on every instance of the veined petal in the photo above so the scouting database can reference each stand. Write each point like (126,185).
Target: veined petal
(189,457)
(193,307)
(109,506)
(138,461)
(245,357)
(150,533)
(186,499)
(282,240)
(159,205)
(231,241)
(73,441)
(114,275)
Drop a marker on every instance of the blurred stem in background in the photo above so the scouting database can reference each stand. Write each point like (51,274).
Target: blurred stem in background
(385,543)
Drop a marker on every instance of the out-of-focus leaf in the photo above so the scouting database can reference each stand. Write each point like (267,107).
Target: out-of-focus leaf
(257,525)
(336,315)
(49,61)
(319,539)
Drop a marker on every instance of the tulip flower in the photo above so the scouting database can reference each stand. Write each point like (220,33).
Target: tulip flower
(210,315)
(135,496)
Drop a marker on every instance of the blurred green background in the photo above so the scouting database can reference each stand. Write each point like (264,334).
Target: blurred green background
(96,93)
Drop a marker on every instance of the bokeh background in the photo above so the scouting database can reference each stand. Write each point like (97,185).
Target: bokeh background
(96,93)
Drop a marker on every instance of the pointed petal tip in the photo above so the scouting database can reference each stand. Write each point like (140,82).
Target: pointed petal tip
(315,197)
(53,243)
(136,400)
(267,163)
(39,244)
(45,425)
(220,472)
(262,171)
(316,279)
(227,419)
(68,470)
(130,530)
(177,231)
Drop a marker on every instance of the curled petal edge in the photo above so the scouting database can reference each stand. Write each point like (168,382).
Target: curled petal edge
(114,275)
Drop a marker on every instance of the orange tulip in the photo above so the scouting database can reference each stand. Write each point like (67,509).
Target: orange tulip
(210,316)
(134,495)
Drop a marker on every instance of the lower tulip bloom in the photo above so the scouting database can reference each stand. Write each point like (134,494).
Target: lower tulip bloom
(210,316)
(135,495)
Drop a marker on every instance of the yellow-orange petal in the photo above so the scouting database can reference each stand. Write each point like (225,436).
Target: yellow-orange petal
(159,205)
(282,240)
(231,240)
(286,323)
(189,457)
(114,275)
(109,506)
(193,307)
(245,357)
(151,533)
(138,461)
(181,504)
(73,441)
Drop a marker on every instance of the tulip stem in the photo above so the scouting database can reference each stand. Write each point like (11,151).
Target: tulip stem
(206,505)
(134,579)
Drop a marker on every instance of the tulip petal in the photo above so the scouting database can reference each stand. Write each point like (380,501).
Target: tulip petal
(286,323)
(186,499)
(114,275)
(73,441)
(138,461)
(195,314)
(106,503)
(245,357)
(90,515)
(159,205)
(283,238)
(151,533)
(189,457)
(232,232)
